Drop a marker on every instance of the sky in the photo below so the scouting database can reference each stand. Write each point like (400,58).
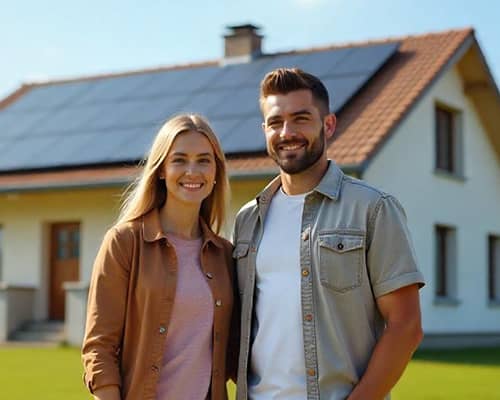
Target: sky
(54,39)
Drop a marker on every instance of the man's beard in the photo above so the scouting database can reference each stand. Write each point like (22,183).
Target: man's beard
(297,164)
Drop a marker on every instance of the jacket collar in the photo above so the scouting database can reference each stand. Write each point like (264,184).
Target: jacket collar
(329,185)
(152,230)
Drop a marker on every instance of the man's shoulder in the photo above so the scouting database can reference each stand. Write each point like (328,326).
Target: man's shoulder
(354,189)
(247,209)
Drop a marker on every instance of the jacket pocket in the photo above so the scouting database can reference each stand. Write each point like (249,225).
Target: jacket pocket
(341,260)
(240,254)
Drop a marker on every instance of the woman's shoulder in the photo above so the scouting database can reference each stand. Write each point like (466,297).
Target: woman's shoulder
(125,231)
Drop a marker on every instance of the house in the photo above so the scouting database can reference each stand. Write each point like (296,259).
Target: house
(419,116)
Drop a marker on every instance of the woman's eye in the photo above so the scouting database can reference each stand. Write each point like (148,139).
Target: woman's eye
(177,160)
(205,160)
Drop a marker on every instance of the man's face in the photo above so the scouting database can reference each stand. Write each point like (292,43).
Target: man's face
(294,129)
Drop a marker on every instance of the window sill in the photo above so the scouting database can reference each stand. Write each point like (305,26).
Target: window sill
(455,176)
(494,303)
(446,301)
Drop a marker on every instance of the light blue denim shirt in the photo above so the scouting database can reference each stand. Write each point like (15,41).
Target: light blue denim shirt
(355,247)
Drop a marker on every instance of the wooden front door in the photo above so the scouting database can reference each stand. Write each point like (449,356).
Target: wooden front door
(64,264)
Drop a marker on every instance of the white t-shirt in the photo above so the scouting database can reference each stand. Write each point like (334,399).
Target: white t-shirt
(277,367)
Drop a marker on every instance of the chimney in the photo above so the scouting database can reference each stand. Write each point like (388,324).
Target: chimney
(242,44)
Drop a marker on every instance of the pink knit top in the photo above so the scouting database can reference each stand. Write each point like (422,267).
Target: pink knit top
(187,363)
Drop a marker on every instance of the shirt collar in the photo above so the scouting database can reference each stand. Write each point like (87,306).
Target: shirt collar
(329,185)
(152,230)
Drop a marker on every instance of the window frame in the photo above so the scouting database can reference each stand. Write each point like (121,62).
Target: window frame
(453,162)
(493,269)
(445,264)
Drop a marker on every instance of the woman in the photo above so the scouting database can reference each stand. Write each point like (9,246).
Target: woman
(161,296)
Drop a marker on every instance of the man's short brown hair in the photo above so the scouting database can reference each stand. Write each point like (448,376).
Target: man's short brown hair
(286,80)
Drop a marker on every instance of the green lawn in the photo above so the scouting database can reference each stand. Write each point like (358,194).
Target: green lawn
(55,374)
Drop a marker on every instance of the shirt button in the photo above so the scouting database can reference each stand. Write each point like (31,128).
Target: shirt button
(311,372)
(209,275)
(162,330)
(308,317)
(154,368)
(305,235)
(340,246)
(218,303)
(305,272)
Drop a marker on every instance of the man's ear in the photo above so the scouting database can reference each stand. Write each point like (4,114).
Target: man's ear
(329,125)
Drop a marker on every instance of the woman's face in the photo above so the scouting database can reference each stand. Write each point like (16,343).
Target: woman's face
(189,169)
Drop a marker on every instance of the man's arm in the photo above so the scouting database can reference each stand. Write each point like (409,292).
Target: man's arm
(402,335)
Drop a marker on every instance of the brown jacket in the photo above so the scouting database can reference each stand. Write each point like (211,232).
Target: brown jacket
(130,302)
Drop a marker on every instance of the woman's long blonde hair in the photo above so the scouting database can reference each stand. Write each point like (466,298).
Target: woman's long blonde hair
(148,191)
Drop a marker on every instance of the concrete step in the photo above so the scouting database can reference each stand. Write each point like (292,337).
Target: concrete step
(40,331)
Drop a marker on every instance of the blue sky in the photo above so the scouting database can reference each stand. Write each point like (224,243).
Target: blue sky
(51,39)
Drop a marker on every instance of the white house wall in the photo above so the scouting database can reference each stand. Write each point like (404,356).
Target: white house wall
(405,167)
(26,218)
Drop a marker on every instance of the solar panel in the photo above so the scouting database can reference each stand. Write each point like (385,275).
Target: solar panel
(365,60)
(115,119)
(112,89)
(247,137)
(50,96)
(341,89)
(26,123)
(324,62)
(179,81)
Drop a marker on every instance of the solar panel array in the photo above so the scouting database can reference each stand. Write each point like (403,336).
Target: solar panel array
(115,119)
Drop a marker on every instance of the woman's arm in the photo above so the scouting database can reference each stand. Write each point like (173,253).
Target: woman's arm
(106,313)
(107,393)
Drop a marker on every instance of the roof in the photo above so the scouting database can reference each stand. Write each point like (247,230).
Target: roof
(113,119)
(370,102)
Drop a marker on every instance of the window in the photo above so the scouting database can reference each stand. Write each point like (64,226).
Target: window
(448,140)
(445,262)
(494,268)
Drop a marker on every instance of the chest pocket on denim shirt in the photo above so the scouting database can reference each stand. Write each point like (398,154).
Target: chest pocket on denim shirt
(341,260)
(240,254)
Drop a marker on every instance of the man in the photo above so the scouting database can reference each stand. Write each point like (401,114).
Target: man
(326,269)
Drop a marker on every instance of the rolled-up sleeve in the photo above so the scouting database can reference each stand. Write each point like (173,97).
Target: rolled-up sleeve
(106,312)
(391,258)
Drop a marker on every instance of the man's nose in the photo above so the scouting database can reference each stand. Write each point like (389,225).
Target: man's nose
(287,130)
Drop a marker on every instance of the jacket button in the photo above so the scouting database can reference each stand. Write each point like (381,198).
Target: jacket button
(305,272)
(311,372)
(340,246)
(154,368)
(209,275)
(218,303)
(162,330)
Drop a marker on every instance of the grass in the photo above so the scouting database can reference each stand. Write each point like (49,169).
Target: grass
(451,374)
(56,374)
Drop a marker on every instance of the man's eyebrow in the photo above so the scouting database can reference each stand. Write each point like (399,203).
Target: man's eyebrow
(294,114)
(300,112)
